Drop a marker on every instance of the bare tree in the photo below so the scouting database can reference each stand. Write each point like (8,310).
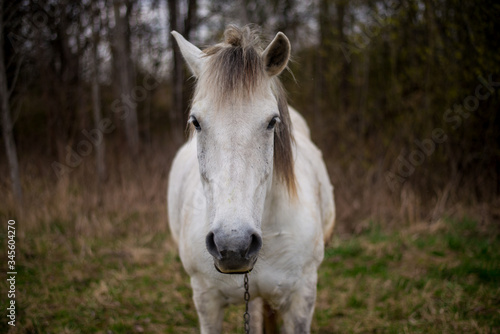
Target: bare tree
(126,75)
(184,26)
(178,72)
(341,7)
(7,126)
(96,92)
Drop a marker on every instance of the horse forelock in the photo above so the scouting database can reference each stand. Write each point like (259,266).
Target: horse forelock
(235,71)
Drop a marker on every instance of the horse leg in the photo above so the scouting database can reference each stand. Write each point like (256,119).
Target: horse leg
(209,307)
(297,316)
(270,320)
(255,308)
(263,319)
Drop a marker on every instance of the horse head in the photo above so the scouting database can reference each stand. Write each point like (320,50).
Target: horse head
(239,117)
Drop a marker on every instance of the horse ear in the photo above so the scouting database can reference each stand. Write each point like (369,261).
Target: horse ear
(193,56)
(277,54)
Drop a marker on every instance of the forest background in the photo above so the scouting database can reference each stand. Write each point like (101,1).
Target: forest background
(402,97)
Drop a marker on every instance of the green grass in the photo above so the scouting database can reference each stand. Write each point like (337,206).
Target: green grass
(412,281)
(443,278)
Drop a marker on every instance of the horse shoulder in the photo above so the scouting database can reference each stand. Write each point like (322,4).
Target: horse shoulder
(183,168)
(313,178)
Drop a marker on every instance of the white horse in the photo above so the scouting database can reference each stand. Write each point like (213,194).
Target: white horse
(246,192)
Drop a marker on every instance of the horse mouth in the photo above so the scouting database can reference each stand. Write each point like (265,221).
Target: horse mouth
(224,267)
(234,253)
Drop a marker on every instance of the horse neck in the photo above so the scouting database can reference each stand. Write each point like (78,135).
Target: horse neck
(277,198)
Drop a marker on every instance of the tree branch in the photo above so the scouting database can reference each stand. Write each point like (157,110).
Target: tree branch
(16,75)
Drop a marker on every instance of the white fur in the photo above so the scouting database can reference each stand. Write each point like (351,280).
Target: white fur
(238,188)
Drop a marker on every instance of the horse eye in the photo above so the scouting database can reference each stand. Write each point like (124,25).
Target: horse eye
(273,122)
(195,123)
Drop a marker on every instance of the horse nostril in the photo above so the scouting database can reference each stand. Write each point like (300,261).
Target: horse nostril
(255,246)
(212,246)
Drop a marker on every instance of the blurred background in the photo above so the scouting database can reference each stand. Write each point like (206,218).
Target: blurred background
(402,96)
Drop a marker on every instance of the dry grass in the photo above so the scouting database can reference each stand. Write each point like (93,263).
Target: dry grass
(98,258)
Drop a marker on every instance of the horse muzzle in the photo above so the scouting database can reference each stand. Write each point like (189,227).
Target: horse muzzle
(234,252)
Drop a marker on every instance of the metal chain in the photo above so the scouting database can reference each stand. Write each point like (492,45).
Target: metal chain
(246,297)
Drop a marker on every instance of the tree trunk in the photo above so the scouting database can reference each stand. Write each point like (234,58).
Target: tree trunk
(191,18)
(96,99)
(126,74)
(176,116)
(7,126)
(341,7)
(185,26)
(322,68)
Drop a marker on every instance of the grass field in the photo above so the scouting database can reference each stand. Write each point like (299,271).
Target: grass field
(438,278)
(99,259)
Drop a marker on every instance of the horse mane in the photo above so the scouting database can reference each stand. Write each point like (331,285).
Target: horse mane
(236,71)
